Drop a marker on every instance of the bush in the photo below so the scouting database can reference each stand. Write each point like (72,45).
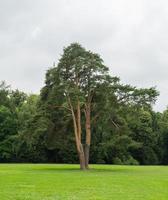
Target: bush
(117,161)
(131,161)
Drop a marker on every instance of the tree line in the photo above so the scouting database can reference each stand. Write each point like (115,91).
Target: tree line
(82,114)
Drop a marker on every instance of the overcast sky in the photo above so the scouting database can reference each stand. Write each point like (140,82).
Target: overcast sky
(130,35)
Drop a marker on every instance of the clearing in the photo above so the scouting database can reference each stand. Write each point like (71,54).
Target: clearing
(67,182)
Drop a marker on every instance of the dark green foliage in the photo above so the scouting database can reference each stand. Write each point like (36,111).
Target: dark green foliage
(125,129)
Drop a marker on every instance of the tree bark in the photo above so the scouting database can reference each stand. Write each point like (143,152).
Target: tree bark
(87,154)
(82,158)
(77,131)
(79,145)
(78,119)
(88,136)
(81,153)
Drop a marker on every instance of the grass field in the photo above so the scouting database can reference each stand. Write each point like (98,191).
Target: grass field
(66,182)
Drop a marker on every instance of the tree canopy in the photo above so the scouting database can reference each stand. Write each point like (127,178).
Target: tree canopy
(83,114)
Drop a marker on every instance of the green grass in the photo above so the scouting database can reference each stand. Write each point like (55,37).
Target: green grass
(66,182)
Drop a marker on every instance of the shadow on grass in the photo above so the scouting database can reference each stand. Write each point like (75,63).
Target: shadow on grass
(75,169)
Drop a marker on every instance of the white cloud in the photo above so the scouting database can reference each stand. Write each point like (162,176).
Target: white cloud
(36,32)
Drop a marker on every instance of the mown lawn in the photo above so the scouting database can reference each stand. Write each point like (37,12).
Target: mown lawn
(66,182)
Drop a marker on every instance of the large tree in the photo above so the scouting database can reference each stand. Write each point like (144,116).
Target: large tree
(78,84)
(76,79)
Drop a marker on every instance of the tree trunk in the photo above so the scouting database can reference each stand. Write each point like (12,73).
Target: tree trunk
(87,152)
(78,119)
(77,131)
(81,152)
(88,136)
(82,158)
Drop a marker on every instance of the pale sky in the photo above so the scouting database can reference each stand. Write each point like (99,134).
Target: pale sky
(130,35)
